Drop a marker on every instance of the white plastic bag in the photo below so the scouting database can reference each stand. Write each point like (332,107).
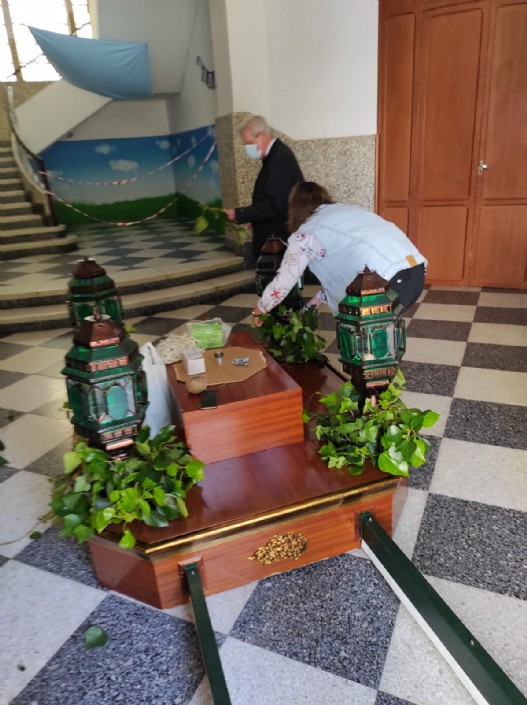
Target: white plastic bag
(160,400)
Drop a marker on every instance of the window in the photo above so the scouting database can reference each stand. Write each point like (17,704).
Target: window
(20,56)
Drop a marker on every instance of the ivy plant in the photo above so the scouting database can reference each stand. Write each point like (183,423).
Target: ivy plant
(212,215)
(291,336)
(150,486)
(385,431)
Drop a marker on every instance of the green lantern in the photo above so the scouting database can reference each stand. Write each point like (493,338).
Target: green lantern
(106,385)
(89,288)
(267,266)
(371,334)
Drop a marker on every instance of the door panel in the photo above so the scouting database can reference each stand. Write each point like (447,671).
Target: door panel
(501,254)
(506,147)
(397,92)
(452,72)
(398,216)
(442,242)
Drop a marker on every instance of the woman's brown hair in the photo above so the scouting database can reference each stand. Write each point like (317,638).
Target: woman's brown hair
(304,199)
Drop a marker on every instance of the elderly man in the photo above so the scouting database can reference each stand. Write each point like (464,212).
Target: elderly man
(279,173)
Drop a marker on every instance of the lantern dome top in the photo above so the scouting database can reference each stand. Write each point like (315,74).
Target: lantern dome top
(88,268)
(98,330)
(367,281)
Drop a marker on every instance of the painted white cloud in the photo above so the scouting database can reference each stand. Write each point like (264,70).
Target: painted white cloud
(105,148)
(54,174)
(123,165)
(214,166)
(163,144)
(193,140)
(191,161)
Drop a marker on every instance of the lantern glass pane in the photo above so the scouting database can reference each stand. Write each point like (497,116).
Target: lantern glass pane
(380,344)
(117,402)
(130,397)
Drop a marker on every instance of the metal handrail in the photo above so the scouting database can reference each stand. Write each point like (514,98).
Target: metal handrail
(39,177)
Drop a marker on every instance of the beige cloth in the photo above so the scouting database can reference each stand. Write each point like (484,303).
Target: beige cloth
(226,372)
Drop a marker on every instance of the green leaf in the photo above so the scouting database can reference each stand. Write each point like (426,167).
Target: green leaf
(201,224)
(155,519)
(71,460)
(81,484)
(159,496)
(83,533)
(35,535)
(127,540)
(430,417)
(388,464)
(95,637)
(182,507)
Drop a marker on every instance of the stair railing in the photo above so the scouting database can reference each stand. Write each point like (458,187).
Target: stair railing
(30,165)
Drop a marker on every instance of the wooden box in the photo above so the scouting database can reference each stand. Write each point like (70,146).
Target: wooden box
(262,412)
(243,504)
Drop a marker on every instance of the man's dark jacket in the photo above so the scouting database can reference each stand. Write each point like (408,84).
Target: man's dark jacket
(268,212)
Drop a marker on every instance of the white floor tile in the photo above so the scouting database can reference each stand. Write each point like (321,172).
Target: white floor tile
(434,402)
(445,312)
(498,622)
(498,386)
(498,334)
(24,499)
(415,670)
(32,391)
(32,361)
(407,529)
(438,352)
(260,677)
(30,436)
(481,473)
(495,299)
(38,612)
(224,608)
(36,337)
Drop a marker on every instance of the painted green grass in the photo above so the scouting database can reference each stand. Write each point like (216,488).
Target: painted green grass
(126,211)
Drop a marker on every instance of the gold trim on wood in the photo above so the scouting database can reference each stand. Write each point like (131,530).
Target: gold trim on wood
(281,546)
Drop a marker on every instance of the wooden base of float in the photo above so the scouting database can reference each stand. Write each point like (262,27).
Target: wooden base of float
(253,515)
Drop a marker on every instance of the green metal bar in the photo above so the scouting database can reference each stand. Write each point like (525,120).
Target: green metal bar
(207,641)
(480,674)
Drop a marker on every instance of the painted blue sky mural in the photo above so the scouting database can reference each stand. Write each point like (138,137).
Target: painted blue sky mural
(194,172)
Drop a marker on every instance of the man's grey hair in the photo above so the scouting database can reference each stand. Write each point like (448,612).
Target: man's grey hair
(256,125)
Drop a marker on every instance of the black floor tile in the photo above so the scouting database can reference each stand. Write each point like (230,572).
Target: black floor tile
(421,477)
(385,699)
(485,422)
(155,326)
(337,615)
(150,658)
(495,357)
(6,472)
(457,298)
(427,378)
(7,416)
(228,314)
(438,330)
(7,377)
(10,349)
(61,555)
(52,462)
(475,544)
(511,316)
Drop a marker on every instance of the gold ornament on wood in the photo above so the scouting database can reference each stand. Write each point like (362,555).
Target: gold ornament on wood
(288,545)
(196,384)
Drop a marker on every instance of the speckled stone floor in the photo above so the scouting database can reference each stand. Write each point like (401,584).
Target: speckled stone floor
(329,633)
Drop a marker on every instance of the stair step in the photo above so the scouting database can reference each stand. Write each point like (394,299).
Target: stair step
(25,236)
(8,172)
(7,162)
(11,185)
(12,196)
(15,208)
(23,249)
(144,303)
(19,222)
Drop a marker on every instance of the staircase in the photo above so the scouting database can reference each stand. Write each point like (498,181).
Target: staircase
(23,230)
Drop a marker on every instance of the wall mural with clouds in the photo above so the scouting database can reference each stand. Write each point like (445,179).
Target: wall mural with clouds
(129,180)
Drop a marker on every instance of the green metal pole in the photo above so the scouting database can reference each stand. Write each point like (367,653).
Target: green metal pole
(479,673)
(207,641)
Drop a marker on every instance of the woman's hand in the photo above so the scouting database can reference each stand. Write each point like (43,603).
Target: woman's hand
(230,213)
(256,314)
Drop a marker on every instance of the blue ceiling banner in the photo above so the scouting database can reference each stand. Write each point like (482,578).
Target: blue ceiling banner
(119,70)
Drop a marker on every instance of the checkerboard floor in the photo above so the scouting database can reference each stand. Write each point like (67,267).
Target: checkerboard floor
(328,633)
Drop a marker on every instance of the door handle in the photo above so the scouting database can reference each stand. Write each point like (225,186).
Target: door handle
(482,167)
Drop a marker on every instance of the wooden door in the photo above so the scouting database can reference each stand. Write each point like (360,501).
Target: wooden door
(452,93)
(499,253)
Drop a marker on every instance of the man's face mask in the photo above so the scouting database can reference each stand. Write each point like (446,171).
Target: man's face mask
(252,151)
